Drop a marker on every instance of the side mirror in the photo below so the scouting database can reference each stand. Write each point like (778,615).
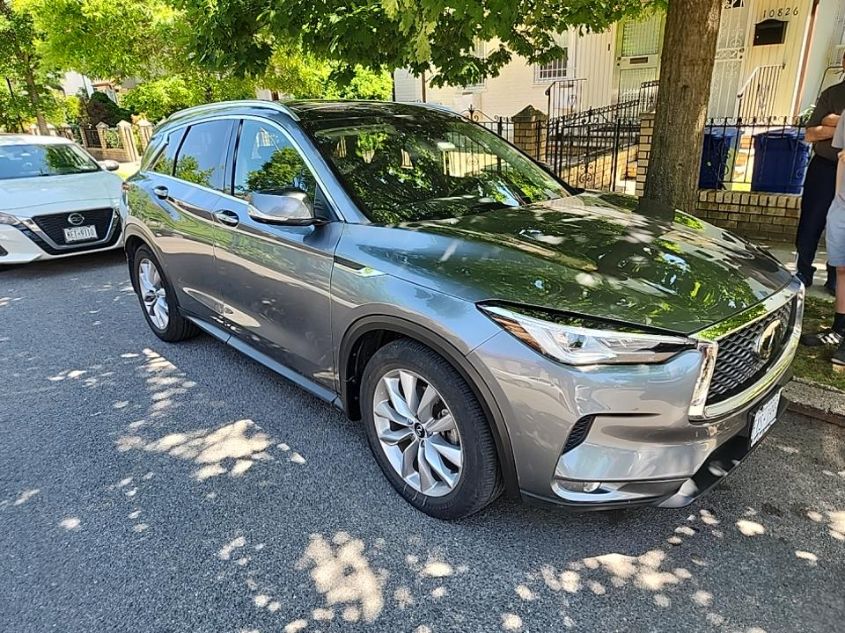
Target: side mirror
(110,165)
(290,207)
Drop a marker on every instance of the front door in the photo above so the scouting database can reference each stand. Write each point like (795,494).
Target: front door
(638,55)
(274,280)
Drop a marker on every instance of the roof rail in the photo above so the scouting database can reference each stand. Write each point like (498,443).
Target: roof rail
(221,105)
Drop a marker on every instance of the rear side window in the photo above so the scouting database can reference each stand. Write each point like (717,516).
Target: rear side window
(163,158)
(202,156)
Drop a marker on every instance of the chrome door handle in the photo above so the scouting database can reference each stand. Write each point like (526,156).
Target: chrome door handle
(161,192)
(229,218)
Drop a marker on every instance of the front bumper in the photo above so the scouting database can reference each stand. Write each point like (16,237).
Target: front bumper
(627,428)
(23,243)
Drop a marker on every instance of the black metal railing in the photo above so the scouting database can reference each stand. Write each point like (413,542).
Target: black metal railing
(767,155)
(563,97)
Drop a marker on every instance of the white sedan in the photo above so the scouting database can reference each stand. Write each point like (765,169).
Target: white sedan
(55,200)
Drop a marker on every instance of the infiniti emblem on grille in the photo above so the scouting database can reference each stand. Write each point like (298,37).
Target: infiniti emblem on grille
(76,219)
(768,340)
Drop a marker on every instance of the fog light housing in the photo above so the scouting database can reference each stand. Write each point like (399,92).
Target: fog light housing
(579,486)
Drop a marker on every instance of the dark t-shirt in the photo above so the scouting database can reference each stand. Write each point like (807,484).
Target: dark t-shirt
(831,101)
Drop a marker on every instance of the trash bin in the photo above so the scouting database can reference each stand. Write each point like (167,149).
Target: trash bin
(780,161)
(717,157)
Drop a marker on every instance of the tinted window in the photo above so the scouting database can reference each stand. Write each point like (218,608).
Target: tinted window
(202,156)
(27,161)
(267,161)
(430,166)
(163,163)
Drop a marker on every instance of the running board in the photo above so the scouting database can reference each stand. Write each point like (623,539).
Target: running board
(285,372)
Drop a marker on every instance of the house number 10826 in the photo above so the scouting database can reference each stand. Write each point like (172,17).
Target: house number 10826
(783,12)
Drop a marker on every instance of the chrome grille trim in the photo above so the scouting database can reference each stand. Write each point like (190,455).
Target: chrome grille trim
(713,334)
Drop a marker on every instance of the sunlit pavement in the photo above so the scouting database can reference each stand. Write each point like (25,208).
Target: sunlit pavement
(154,487)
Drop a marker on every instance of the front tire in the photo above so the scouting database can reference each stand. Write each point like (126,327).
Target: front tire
(158,301)
(428,431)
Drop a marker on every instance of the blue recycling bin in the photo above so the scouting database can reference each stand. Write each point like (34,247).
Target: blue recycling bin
(780,161)
(717,157)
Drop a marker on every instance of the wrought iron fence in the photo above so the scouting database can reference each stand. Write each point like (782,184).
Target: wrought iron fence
(91,136)
(596,149)
(757,155)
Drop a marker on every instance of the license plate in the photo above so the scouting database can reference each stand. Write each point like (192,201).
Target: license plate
(764,417)
(78,233)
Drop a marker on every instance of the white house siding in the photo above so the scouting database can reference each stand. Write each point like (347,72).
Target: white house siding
(599,60)
(406,87)
(595,64)
(827,48)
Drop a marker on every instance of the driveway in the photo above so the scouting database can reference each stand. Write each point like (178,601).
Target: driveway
(155,487)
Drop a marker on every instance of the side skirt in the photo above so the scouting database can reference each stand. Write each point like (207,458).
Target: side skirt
(285,372)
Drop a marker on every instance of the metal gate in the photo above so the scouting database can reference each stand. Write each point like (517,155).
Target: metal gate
(730,54)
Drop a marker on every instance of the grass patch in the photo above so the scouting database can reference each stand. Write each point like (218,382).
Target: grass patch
(813,363)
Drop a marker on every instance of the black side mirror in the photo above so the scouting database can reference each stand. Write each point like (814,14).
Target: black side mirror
(290,207)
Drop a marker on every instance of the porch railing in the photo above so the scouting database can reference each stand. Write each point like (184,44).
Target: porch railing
(756,97)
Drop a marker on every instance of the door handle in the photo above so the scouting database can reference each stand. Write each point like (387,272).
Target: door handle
(161,192)
(229,218)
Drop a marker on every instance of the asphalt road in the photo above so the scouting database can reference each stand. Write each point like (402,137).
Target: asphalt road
(155,487)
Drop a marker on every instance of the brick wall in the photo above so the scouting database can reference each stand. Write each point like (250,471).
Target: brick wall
(752,215)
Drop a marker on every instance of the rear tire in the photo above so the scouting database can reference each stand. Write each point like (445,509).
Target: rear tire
(157,298)
(443,459)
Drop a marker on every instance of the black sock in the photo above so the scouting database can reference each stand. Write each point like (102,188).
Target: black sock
(839,323)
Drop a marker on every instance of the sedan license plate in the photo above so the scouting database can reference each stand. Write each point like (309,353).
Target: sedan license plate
(763,418)
(79,233)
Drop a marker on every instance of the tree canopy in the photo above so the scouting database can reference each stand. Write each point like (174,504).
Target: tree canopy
(423,35)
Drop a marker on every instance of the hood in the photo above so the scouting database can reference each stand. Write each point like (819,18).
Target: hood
(585,255)
(51,194)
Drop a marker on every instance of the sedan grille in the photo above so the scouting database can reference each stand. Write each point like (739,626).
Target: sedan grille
(55,224)
(739,363)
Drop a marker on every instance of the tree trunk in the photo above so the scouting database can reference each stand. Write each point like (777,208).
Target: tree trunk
(686,69)
(32,92)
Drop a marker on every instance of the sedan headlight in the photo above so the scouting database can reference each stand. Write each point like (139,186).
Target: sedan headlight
(5,218)
(575,340)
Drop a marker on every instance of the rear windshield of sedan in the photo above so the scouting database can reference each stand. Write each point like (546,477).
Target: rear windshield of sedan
(28,161)
(429,167)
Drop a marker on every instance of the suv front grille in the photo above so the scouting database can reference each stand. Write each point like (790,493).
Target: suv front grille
(738,364)
(55,224)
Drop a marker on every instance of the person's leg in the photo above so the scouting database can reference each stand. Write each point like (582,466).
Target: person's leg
(835,335)
(819,189)
(838,358)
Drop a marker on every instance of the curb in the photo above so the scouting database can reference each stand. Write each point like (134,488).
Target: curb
(816,401)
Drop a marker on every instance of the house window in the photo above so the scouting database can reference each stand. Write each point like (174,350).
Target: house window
(557,69)
(479,51)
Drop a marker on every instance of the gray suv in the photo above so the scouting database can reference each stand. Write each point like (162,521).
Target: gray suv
(492,328)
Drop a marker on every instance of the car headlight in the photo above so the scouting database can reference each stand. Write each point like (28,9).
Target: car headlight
(575,340)
(5,218)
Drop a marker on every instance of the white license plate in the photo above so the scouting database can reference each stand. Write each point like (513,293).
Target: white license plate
(764,417)
(77,233)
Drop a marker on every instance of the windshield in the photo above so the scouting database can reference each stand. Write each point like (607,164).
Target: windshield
(27,161)
(429,167)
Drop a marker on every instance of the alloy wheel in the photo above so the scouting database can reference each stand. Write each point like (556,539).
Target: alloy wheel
(153,294)
(417,432)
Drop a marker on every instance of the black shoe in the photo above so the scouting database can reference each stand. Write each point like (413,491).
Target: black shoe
(805,279)
(831,288)
(838,359)
(825,338)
